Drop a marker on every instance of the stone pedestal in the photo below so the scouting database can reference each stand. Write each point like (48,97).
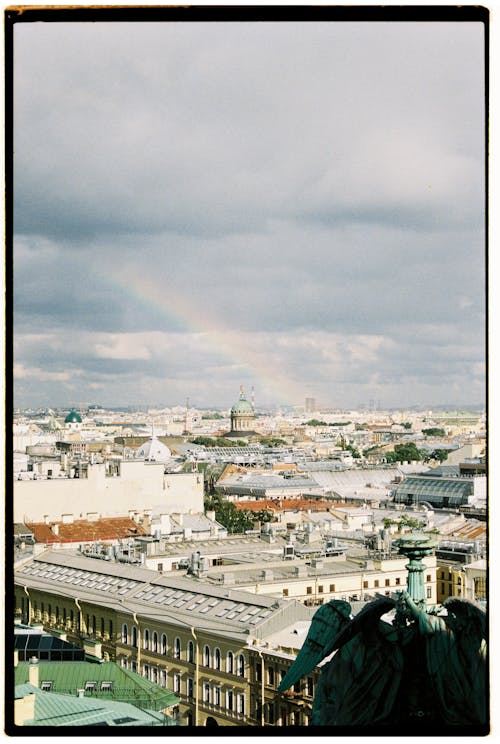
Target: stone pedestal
(416,546)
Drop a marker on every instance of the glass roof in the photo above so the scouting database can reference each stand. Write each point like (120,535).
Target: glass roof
(150,594)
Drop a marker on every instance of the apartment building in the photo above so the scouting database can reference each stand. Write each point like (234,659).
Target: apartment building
(200,641)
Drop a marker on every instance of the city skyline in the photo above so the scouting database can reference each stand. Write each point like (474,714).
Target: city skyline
(297,207)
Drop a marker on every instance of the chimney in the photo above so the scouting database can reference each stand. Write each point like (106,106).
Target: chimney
(80,692)
(33,672)
(55,529)
(92,648)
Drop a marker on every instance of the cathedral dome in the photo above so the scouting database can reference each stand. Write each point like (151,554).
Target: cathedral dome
(73,418)
(242,407)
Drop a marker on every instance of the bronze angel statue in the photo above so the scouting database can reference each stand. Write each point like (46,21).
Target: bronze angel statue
(411,668)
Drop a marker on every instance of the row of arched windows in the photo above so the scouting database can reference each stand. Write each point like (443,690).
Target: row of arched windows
(158,644)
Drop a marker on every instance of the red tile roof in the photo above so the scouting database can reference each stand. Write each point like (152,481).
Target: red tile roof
(285,505)
(82,530)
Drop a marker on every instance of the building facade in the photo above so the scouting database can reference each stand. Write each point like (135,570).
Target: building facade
(191,638)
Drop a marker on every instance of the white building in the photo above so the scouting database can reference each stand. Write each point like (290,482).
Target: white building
(137,487)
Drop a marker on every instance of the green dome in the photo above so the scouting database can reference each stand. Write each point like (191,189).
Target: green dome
(242,407)
(73,418)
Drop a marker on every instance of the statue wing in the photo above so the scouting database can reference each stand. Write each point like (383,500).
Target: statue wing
(361,682)
(365,621)
(464,616)
(329,619)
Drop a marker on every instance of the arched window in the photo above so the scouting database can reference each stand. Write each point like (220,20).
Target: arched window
(217,658)
(155,642)
(206,656)
(241,665)
(164,644)
(125,634)
(230,662)
(134,636)
(177,648)
(190,652)
(145,639)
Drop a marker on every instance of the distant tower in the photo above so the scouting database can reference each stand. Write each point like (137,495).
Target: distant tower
(186,418)
(310,405)
(252,398)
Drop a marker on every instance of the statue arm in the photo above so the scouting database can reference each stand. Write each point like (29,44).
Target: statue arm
(428,624)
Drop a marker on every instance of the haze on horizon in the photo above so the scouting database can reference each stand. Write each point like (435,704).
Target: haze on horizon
(295,207)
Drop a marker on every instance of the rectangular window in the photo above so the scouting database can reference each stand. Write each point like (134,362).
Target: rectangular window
(320,589)
(376,583)
(332,587)
(206,692)
(229,699)
(285,592)
(270,712)
(365,585)
(309,590)
(216,695)
(429,592)
(270,675)
(398,581)
(240,703)
(428,578)
(387,582)
(177,683)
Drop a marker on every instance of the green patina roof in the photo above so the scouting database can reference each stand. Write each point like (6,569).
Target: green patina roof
(53,709)
(73,418)
(128,686)
(242,406)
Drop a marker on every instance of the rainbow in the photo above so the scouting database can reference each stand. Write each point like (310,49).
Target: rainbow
(217,336)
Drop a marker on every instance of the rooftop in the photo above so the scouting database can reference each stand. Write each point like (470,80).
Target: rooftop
(52,709)
(182,600)
(83,530)
(109,680)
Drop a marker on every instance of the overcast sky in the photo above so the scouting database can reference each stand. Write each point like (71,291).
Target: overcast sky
(297,207)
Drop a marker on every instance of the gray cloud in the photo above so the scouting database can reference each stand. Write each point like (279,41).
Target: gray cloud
(276,181)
